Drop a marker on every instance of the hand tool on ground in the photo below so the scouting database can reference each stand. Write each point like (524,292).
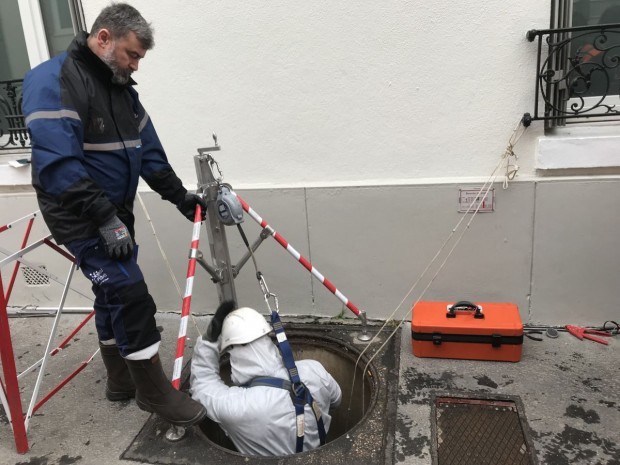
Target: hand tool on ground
(585,333)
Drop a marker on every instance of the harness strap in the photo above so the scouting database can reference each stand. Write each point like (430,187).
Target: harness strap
(300,398)
(301,392)
(285,350)
(300,395)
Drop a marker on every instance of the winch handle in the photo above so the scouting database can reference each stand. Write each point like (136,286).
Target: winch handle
(464,305)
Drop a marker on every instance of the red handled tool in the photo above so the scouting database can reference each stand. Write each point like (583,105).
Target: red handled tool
(584,333)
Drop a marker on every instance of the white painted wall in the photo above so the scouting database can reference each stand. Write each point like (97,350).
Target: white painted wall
(323,92)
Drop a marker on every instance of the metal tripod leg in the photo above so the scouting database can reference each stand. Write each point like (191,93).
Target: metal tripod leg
(218,244)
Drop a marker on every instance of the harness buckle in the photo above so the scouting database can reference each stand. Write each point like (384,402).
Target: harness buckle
(299,389)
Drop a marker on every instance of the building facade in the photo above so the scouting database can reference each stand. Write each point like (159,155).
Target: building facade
(362,133)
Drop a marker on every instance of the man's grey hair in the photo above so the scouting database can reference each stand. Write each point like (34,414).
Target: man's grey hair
(121,19)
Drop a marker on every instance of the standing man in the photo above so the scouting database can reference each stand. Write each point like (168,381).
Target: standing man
(91,141)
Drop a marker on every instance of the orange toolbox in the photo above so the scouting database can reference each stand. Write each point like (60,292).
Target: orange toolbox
(466,330)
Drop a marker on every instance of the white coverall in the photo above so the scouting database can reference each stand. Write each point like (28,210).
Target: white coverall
(259,420)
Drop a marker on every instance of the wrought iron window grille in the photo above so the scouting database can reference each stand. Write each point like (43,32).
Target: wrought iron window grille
(580,76)
(13,132)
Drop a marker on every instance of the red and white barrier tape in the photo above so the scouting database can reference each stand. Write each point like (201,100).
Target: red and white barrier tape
(304,262)
(187,299)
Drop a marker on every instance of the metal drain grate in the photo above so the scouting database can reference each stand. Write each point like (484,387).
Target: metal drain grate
(479,432)
(34,277)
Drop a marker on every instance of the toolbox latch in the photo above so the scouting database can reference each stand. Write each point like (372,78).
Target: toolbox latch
(437,339)
(496,340)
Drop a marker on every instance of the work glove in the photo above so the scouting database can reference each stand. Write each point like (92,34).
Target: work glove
(117,240)
(187,206)
(215,326)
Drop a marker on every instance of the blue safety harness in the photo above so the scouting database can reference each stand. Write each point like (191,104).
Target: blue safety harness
(300,394)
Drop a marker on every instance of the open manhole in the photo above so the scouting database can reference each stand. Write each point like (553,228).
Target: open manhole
(362,428)
(480,431)
(338,361)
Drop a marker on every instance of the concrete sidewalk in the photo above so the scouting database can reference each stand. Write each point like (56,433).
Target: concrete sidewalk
(570,391)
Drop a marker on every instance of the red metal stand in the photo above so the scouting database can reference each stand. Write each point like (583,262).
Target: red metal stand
(10,376)
(9,387)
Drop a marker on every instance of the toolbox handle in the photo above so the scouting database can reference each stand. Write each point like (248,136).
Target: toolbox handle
(464,305)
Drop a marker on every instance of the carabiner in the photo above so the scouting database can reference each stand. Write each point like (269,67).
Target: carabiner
(211,161)
(266,294)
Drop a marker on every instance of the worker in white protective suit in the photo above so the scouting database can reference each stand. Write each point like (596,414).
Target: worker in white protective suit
(260,420)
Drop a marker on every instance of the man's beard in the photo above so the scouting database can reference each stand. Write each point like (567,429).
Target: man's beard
(120,75)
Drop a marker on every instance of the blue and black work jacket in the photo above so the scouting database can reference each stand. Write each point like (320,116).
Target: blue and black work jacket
(91,142)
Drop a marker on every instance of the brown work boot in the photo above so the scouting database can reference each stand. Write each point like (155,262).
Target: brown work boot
(119,385)
(154,393)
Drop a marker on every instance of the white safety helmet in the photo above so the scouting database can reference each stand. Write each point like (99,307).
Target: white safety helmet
(242,326)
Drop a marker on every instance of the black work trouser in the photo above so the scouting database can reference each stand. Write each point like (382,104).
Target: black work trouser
(124,309)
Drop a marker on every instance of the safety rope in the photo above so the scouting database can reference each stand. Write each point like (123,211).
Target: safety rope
(511,171)
(510,156)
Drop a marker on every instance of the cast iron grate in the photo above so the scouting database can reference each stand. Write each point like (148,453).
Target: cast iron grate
(479,432)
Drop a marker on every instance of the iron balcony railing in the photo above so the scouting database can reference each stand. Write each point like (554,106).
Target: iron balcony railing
(13,132)
(580,75)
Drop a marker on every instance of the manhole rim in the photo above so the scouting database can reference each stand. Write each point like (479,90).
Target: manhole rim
(293,334)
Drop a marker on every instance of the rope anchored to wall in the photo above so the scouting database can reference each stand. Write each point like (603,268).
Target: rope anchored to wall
(508,160)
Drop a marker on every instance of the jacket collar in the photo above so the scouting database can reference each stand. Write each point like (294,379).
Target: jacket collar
(79,50)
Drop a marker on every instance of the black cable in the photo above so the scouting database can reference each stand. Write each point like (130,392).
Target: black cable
(528,334)
(615,330)
(247,244)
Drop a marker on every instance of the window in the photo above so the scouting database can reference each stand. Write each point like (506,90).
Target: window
(31,31)
(598,52)
(13,52)
(589,64)
(58,23)
(578,88)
